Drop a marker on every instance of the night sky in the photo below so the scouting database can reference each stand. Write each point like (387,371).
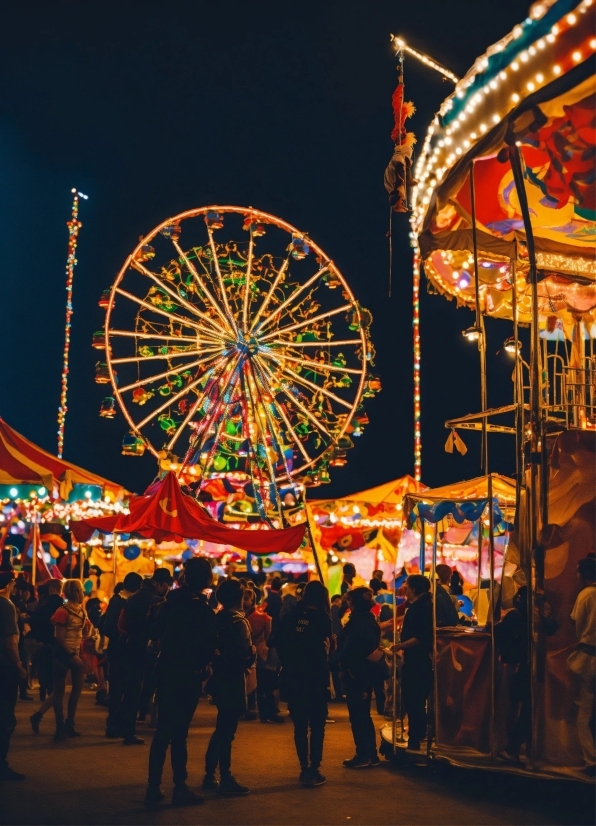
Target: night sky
(154,108)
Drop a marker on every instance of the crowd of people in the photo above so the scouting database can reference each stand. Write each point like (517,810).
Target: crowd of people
(161,644)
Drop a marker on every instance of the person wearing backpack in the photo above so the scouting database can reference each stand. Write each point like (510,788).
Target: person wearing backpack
(304,642)
(185,631)
(235,654)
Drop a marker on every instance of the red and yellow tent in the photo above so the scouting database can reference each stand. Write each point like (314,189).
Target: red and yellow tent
(24,463)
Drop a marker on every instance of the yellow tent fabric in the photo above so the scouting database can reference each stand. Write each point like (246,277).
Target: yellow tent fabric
(504,489)
(390,493)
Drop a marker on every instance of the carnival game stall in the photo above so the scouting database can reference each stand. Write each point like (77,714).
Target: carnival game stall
(504,220)
(481,510)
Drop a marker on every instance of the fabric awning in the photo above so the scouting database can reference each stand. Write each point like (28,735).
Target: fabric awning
(24,463)
(165,513)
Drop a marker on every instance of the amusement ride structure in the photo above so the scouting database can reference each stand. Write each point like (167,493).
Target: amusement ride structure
(237,351)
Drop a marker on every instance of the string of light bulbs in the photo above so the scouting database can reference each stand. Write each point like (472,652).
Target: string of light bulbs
(74,226)
(402,46)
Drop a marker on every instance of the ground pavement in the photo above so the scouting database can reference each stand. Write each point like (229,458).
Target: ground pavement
(92,780)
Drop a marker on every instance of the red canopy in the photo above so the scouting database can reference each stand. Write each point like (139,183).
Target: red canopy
(164,513)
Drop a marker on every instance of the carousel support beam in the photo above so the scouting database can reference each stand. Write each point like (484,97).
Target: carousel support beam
(480,328)
(537,475)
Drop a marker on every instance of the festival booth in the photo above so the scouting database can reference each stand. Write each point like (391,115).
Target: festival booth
(467,525)
(504,219)
(39,495)
(364,528)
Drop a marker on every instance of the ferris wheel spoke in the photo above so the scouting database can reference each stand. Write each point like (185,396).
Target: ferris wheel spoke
(193,409)
(292,297)
(280,274)
(193,270)
(316,365)
(318,343)
(182,301)
(296,403)
(287,422)
(172,400)
(170,372)
(170,316)
(231,321)
(306,322)
(251,245)
(306,383)
(167,355)
(261,430)
(130,334)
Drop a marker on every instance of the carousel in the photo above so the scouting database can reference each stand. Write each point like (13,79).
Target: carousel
(503,223)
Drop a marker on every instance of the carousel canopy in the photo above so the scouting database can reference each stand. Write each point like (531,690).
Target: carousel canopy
(24,463)
(465,501)
(535,88)
(165,513)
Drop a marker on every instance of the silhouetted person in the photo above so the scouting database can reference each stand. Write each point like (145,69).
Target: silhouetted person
(134,625)
(445,610)
(583,661)
(234,655)
(50,599)
(305,639)
(11,671)
(187,638)
(457,583)
(377,583)
(115,650)
(416,643)
(349,572)
(358,654)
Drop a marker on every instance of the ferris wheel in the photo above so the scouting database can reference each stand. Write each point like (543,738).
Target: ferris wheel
(234,344)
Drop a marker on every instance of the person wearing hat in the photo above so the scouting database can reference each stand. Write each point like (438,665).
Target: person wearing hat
(135,626)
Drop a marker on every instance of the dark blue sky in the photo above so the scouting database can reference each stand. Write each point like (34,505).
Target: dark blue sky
(152,108)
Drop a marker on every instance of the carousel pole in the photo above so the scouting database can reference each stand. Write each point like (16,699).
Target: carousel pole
(435,708)
(537,475)
(34,530)
(114,554)
(480,329)
(491,541)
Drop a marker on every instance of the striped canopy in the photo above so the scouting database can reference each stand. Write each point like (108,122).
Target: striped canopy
(24,463)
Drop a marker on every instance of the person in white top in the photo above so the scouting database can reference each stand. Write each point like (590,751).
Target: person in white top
(582,661)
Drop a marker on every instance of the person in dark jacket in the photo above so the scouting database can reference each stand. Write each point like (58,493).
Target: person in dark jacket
(417,644)
(186,633)
(445,610)
(115,651)
(305,640)
(359,653)
(134,625)
(234,655)
(50,599)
